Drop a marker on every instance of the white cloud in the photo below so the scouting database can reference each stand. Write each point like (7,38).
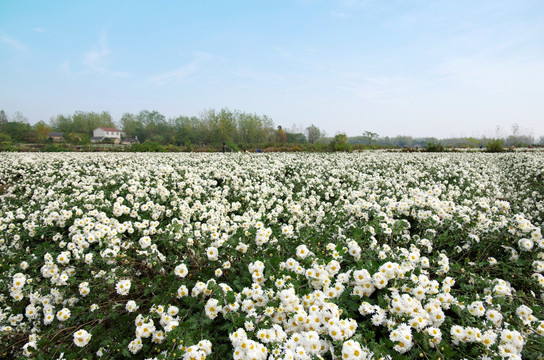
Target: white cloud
(382,89)
(300,60)
(38,29)
(97,60)
(181,73)
(184,72)
(14,43)
(257,75)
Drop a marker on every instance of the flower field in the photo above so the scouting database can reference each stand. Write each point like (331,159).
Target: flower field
(272,256)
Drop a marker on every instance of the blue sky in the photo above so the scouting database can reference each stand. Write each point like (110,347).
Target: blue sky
(420,68)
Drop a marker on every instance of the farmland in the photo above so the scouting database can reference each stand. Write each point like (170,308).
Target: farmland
(272,256)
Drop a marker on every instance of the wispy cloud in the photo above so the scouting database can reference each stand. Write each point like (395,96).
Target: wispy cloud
(14,43)
(97,60)
(65,67)
(397,90)
(522,73)
(38,29)
(183,73)
(298,60)
(257,75)
(352,4)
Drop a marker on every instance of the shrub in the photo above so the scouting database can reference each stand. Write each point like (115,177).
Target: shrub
(231,145)
(434,147)
(495,146)
(51,148)
(147,147)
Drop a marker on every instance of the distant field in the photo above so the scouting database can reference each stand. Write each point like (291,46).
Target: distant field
(256,256)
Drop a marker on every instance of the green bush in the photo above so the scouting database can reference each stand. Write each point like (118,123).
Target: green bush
(232,145)
(434,147)
(4,138)
(147,147)
(494,146)
(52,148)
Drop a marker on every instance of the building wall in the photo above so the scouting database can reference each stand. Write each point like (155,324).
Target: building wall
(107,134)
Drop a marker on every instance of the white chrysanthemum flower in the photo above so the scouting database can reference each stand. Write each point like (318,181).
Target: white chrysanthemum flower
(123,287)
(145,242)
(212,308)
(212,253)
(63,314)
(302,251)
(526,244)
(131,306)
(181,270)
(81,338)
(182,291)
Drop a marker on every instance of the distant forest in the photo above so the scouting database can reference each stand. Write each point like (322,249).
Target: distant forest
(239,130)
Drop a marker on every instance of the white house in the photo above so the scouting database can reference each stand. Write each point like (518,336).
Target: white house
(104,133)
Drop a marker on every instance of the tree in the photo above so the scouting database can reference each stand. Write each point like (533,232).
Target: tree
(340,143)
(16,130)
(85,122)
(369,137)
(254,129)
(18,117)
(42,130)
(281,136)
(3,118)
(155,127)
(62,123)
(296,138)
(402,141)
(227,124)
(313,133)
(132,126)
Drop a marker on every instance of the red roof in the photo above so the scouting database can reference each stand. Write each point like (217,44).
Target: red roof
(109,129)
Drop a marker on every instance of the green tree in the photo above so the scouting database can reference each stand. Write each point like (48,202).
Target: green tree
(62,123)
(369,137)
(18,117)
(155,127)
(253,129)
(227,124)
(85,122)
(4,138)
(16,130)
(281,136)
(402,141)
(42,129)
(3,118)
(132,126)
(313,134)
(340,143)
(296,138)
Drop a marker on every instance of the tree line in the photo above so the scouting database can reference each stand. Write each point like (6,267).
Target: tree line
(212,128)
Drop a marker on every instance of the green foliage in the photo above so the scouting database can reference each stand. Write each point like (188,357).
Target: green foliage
(340,143)
(81,122)
(52,148)
(296,138)
(232,145)
(77,138)
(147,146)
(4,138)
(495,146)
(17,131)
(313,133)
(434,147)
(332,203)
